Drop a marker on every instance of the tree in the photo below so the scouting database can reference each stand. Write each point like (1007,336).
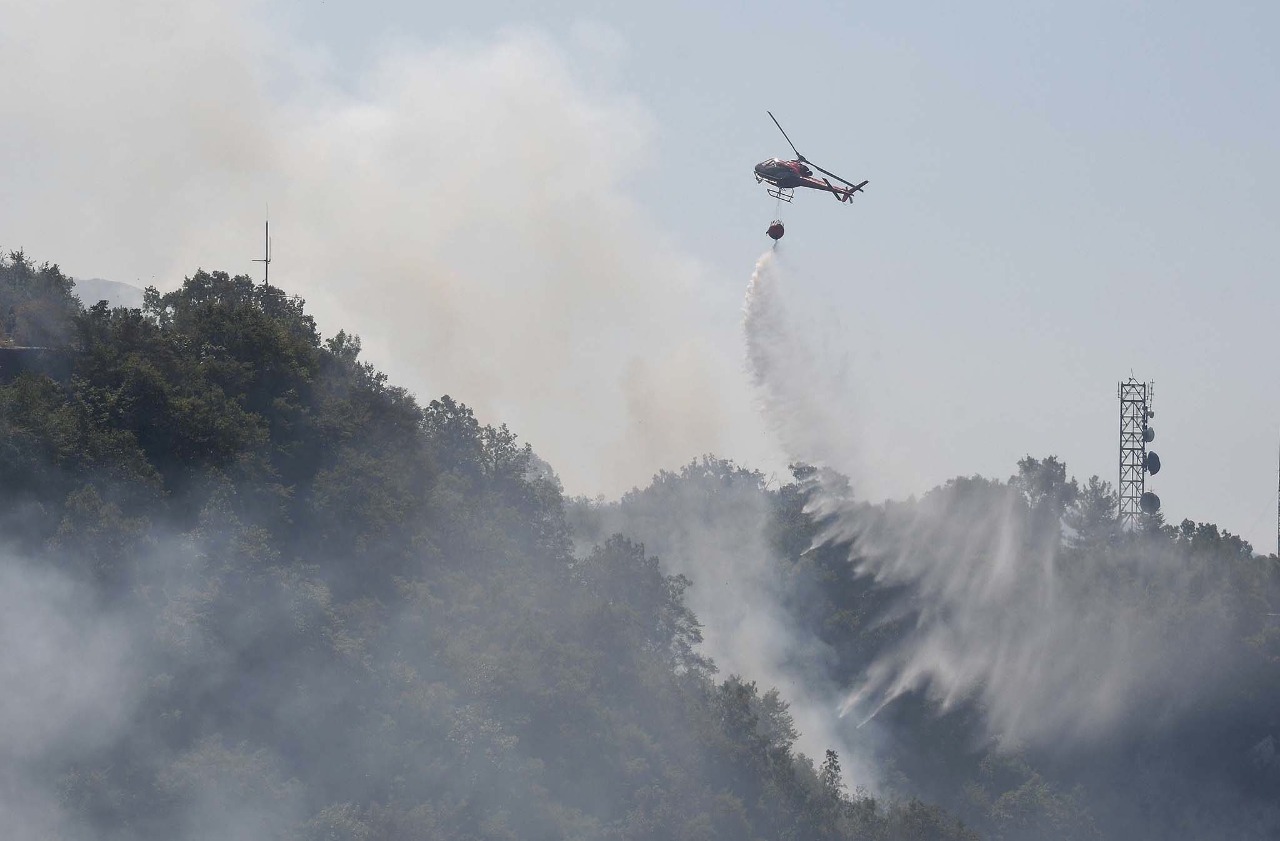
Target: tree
(1092,516)
(1045,486)
(37,304)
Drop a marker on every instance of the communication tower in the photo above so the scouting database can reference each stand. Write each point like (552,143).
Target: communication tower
(1135,460)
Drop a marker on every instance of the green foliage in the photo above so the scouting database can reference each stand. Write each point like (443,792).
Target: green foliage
(363,618)
(1180,584)
(1092,519)
(37,303)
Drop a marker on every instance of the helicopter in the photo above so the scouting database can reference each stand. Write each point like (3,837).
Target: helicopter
(784,176)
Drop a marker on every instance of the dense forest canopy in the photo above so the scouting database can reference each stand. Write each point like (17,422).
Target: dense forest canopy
(252,589)
(303,605)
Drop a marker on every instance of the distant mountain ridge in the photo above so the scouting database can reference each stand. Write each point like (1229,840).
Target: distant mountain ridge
(91,290)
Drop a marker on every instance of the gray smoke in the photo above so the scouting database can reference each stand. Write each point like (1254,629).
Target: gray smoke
(714,530)
(69,677)
(464,205)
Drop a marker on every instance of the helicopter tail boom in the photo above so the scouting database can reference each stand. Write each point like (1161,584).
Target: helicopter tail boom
(844,194)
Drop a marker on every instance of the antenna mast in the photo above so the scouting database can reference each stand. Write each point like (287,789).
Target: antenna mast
(265,260)
(1135,460)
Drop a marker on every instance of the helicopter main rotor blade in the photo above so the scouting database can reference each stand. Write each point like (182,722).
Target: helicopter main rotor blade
(799,157)
(802,159)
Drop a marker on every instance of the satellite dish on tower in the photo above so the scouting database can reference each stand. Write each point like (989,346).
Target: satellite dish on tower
(1148,434)
(1149,502)
(1153,463)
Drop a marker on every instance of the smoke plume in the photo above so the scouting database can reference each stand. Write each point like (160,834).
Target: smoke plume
(70,683)
(465,205)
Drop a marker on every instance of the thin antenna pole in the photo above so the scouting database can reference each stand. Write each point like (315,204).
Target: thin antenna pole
(266,255)
(1278,501)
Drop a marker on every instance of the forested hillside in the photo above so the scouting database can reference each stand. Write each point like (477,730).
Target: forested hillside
(254,590)
(251,589)
(1145,711)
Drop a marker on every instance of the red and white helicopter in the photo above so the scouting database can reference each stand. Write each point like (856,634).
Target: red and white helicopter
(784,176)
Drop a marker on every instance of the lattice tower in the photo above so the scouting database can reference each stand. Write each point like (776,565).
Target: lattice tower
(1135,409)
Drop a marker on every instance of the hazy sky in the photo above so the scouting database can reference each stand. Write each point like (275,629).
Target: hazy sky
(549,212)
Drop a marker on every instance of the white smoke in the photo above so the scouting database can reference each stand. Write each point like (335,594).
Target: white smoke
(69,681)
(464,205)
(714,528)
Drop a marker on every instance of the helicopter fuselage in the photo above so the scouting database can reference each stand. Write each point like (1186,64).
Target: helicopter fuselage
(786,174)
